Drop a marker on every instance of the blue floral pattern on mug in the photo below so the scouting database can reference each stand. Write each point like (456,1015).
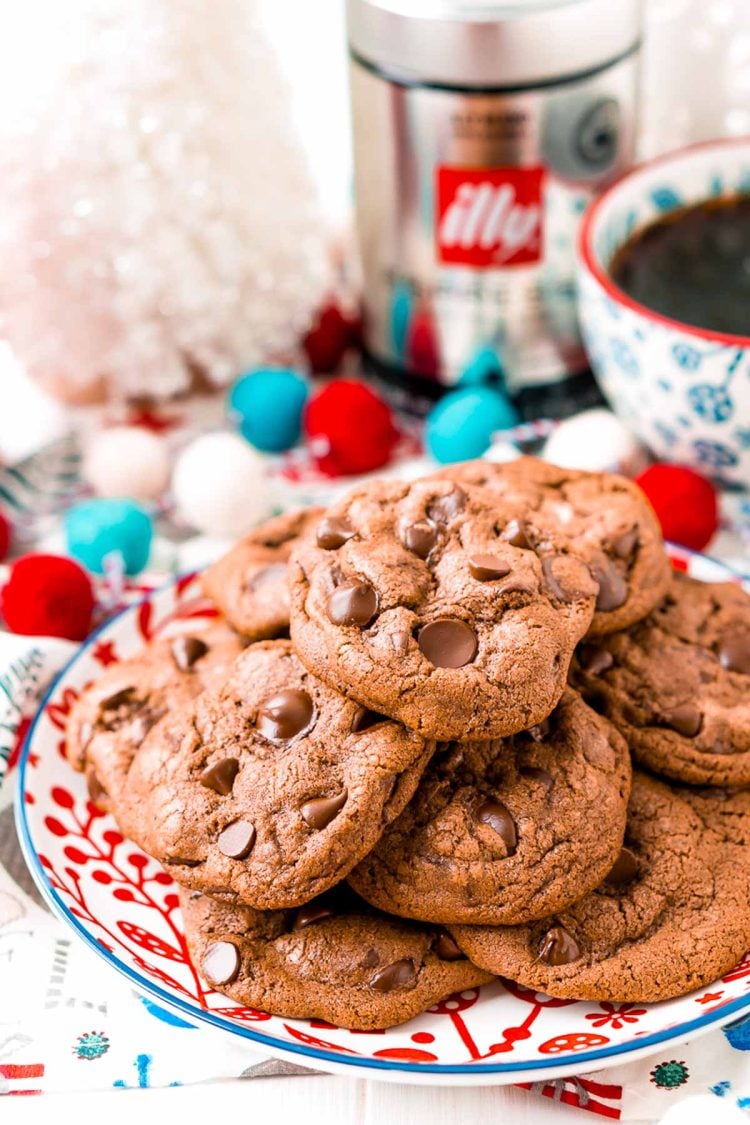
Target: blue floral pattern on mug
(713,403)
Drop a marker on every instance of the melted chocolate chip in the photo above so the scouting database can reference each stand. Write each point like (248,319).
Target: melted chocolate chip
(446,949)
(400,641)
(496,816)
(221,963)
(311,913)
(187,650)
(365,719)
(448,643)
(96,790)
(686,719)
(320,811)
(370,959)
(734,653)
(445,508)
(515,534)
(594,659)
(274,572)
(118,699)
(624,870)
(352,603)
(237,840)
(613,589)
(220,777)
(398,975)
(536,773)
(333,532)
(539,731)
(562,585)
(624,544)
(516,586)
(558,947)
(486,568)
(180,861)
(286,715)
(419,538)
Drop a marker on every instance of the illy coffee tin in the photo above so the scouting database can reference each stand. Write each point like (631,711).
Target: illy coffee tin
(482,128)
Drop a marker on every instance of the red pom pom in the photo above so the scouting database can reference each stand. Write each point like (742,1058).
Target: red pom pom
(5,536)
(329,339)
(48,596)
(352,428)
(685,503)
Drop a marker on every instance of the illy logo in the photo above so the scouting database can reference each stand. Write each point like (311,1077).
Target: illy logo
(489,217)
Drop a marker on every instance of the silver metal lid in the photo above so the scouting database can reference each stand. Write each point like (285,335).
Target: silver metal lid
(491,43)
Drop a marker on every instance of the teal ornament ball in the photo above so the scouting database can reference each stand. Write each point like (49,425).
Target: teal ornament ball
(462,424)
(268,404)
(95,529)
(483,367)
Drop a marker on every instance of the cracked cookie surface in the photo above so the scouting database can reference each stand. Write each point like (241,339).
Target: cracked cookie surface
(112,717)
(249,583)
(673,915)
(606,519)
(334,959)
(503,832)
(677,685)
(425,601)
(270,788)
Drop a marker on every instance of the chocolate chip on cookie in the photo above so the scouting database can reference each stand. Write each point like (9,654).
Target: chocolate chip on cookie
(426,611)
(673,914)
(249,584)
(516,828)
(271,787)
(334,959)
(605,518)
(675,685)
(110,720)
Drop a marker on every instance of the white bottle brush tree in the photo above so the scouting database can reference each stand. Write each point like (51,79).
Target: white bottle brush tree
(158,224)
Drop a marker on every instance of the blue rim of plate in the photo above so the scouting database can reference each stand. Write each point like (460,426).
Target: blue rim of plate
(720,1017)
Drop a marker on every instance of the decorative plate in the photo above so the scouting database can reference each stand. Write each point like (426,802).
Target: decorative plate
(124,905)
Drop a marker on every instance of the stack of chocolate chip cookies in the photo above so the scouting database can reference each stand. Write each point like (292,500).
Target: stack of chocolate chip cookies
(467,726)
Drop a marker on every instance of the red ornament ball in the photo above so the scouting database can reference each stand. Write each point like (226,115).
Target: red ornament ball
(48,596)
(5,536)
(685,503)
(329,339)
(350,428)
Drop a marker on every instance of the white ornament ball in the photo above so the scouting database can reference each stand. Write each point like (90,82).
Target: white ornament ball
(500,452)
(219,485)
(597,441)
(127,461)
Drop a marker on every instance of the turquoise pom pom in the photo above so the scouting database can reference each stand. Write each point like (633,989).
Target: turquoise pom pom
(95,529)
(483,367)
(462,424)
(268,404)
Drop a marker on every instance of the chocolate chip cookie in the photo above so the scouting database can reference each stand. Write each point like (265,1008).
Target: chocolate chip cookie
(606,519)
(270,788)
(249,584)
(112,717)
(333,959)
(673,915)
(425,601)
(677,685)
(503,832)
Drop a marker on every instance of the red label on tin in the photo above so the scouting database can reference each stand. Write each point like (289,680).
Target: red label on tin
(489,217)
